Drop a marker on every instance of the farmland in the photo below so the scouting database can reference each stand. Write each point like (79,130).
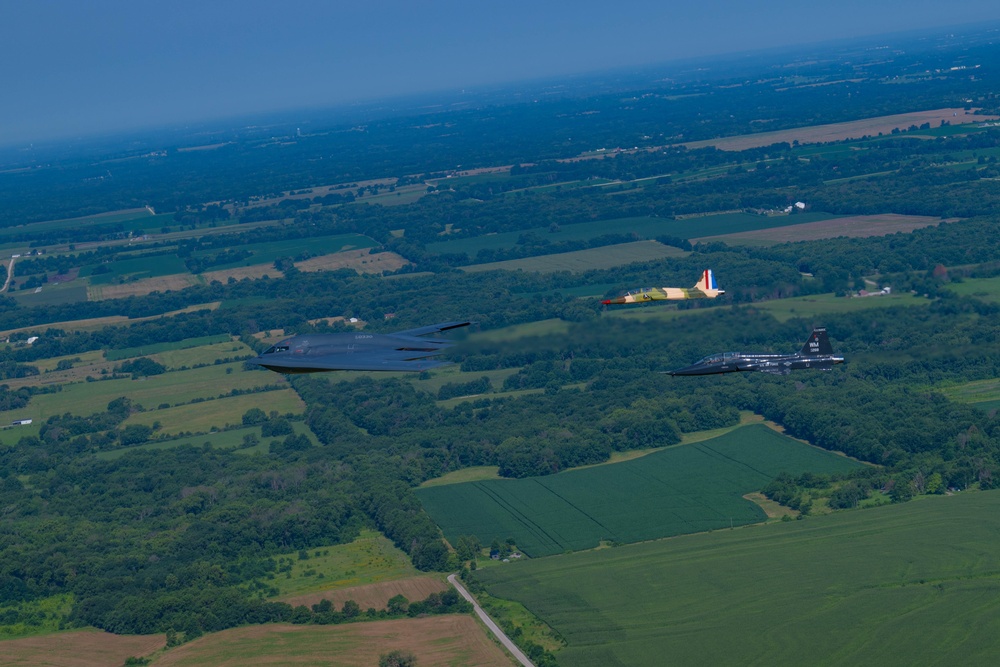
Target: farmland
(898,584)
(436,641)
(684,489)
(854,226)
(266,253)
(81,648)
(841,131)
(585,260)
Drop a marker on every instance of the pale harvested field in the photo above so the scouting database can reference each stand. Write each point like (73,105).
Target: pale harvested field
(855,226)
(253,272)
(839,131)
(584,260)
(82,648)
(436,641)
(359,260)
(374,595)
(175,282)
(95,323)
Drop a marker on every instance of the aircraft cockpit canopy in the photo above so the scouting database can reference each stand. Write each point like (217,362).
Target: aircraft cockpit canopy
(720,357)
(278,347)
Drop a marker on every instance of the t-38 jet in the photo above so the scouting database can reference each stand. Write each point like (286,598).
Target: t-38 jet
(401,351)
(706,288)
(816,353)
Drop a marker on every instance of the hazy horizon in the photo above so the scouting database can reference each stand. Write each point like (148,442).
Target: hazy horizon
(111,66)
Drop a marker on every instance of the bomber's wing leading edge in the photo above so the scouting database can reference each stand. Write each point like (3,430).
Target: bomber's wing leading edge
(407,350)
(706,288)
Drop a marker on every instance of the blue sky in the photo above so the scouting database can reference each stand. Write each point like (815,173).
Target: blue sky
(77,67)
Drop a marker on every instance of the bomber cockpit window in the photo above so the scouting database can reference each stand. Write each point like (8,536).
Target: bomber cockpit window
(276,348)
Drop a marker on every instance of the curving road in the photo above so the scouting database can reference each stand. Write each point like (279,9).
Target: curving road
(10,275)
(494,628)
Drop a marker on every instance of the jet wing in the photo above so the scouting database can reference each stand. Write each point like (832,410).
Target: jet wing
(380,360)
(432,329)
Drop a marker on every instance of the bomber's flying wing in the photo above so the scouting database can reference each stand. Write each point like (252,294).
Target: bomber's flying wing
(432,329)
(374,360)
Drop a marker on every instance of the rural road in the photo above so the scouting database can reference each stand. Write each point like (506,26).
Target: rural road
(494,628)
(10,274)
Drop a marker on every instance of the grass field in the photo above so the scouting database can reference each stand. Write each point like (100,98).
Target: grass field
(230,439)
(206,353)
(52,295)
(987,289)
(435,641)
(683,489)
(606,257)
(370,559)
(828,304)
(221,412)
(375,596)
(906,584)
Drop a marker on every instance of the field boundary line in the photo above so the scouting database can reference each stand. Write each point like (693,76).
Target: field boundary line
(494,628)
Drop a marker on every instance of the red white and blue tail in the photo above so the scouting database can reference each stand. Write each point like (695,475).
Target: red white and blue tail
(708,285)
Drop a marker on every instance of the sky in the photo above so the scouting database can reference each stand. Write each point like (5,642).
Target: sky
(71,68)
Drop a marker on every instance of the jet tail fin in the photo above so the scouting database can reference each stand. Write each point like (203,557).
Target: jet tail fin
(818,343)
(708,285)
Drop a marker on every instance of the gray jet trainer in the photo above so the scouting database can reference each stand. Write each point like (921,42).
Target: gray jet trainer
(816,353)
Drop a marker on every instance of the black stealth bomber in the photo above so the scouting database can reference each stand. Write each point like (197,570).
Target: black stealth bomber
(816,353)
(401,351)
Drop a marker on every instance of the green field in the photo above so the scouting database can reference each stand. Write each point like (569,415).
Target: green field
(134,268)
(987,289)
(644,227)
(231,439)
(85,398)
(828,304)
(52,295)
(265,253)
(132,219)
(683,489)
(906,584)
(369,559)
(606,257)
(126,353)
(220,412)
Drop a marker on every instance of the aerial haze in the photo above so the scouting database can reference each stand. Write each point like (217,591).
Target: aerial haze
(72,69)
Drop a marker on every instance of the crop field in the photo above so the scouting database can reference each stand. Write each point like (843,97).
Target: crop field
(206,353)
(220,412)
(266,253)
(126,353)
(134,268)
(85,398)
(982,393)
(914,583)
(436,641)
(172,283)
(52,295)
(853,226)
(79,648)
(683,489)
(136,218)
(606,257)
(645,227)
(362,261)
(841,131)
